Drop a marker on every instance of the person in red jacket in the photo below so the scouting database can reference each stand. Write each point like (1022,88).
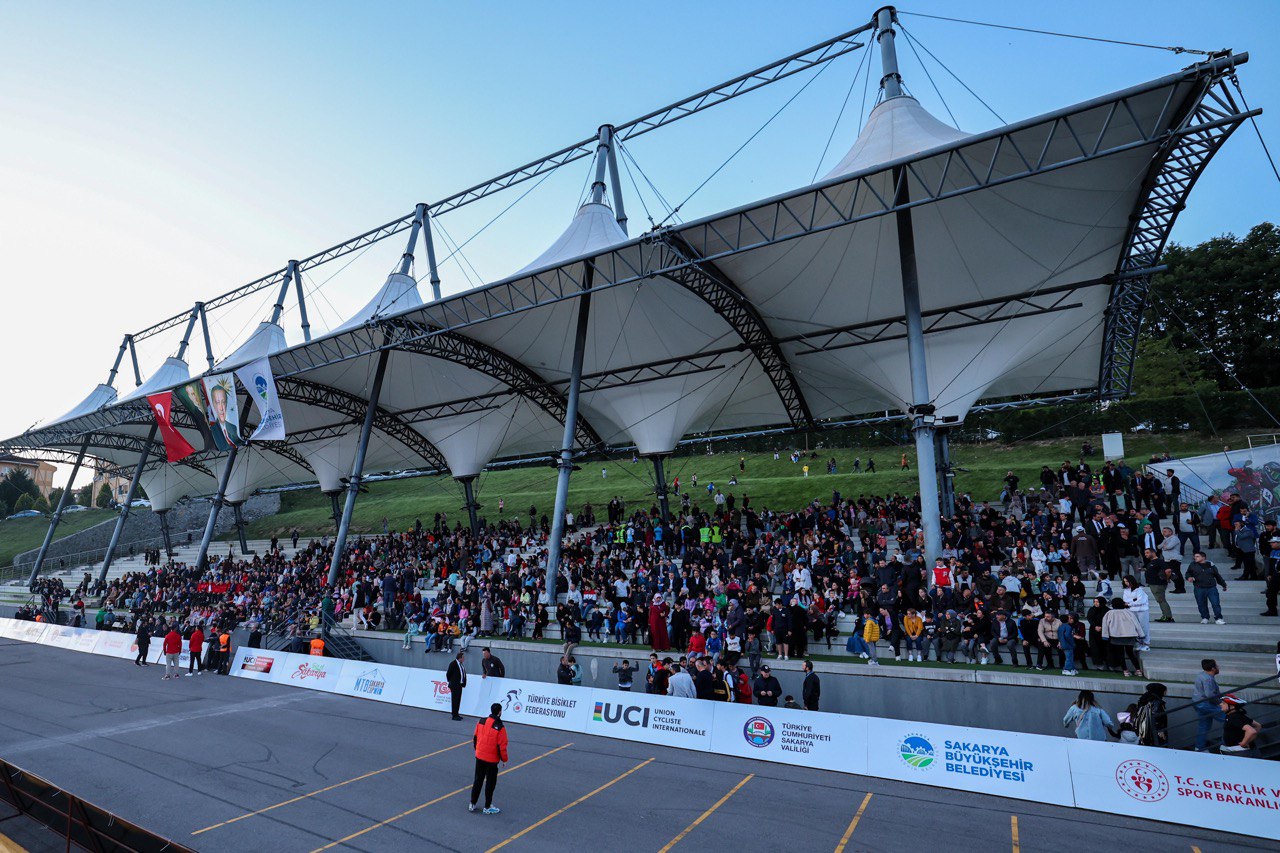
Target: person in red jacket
(172,652)
(490,740)
(195,648)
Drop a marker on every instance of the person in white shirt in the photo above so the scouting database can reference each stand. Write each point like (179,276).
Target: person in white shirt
(681,684)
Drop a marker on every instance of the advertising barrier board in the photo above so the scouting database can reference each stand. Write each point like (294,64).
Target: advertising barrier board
(370,680)
(115,645)
(1213,791)
(255,664)
(310,671)
(1007,764)
(533,703)
(662,720)
(828,741)
(427,688)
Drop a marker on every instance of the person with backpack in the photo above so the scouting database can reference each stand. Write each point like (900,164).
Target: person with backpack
(490,742)
(1152,718)
(722,685)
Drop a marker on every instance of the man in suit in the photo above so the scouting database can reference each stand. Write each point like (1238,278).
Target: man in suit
(456,676)
(811,691)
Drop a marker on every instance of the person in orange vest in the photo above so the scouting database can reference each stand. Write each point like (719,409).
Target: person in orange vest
(490,741)
(224,653)
(317,647)
(195,646)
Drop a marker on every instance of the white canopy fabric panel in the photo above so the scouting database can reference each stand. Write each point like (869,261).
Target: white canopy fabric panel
(268,338)
(896,128)
(103,395)
(168,484)
(398,294)
(593,229)
(173,372)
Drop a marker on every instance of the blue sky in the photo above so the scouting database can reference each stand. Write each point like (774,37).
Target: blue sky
(157,153)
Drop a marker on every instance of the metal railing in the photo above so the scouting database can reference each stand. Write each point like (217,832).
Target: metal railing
(87,558)
(1264,708)
(79,822)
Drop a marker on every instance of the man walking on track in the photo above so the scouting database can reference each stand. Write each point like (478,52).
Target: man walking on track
(490,741)
(456,676)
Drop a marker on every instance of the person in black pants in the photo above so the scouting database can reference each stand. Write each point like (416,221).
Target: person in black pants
(812,688)
(456,676)
(143,640)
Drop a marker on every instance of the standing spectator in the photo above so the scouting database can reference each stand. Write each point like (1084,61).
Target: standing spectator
(1152,718)
(681,684)
(1271,570)
(1120,628)
(767,688)
(143,640)
(812,688)
(1246,536)
(1135,599)
(1205,698)
(456,677)
(490,664)
(172,652)
(195,645)
(1156,573)
(1090,721)
(1205,580)
(626,675)
(490,742)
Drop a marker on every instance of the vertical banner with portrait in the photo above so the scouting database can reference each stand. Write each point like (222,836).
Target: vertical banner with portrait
(191,398)
(223,410)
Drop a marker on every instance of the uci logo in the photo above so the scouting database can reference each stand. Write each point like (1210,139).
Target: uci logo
(632,715)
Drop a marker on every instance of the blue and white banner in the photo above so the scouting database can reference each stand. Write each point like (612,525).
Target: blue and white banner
(258,380)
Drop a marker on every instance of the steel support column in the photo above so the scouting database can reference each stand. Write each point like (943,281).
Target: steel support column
(57,514)
(239,519)
(202,558)
(922,407)
(565,463)
(472,508)
(164,532)
(427,241)
(948,475)
(664,506)
(301,296)
(357,467)
(335,509)
(128,502)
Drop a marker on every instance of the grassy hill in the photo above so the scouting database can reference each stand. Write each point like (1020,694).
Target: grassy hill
(23,534)
(774,484)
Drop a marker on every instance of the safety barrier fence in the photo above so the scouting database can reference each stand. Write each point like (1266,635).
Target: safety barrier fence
(1195,789)
(79,822)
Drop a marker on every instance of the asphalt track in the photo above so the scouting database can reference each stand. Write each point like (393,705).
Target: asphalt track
(230,764)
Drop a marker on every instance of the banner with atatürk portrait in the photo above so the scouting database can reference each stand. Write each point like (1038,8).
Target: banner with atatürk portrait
(191,398)
(223,413)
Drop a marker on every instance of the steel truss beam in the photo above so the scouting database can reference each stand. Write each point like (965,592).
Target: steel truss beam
(468,352)
(788,66)
(710,284)
(335,400)
(969,167)
(1208,119)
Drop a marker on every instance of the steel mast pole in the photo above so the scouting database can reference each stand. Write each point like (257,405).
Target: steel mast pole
(357,467)
(302,300)
(202,558)
(469,493)
(57,514)
(615,180)
(565,463)
(128,503)
(660,478)
(922,409)
(431,252)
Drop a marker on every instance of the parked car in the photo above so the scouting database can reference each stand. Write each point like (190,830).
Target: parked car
(74,508)
(27,513)
(141,502)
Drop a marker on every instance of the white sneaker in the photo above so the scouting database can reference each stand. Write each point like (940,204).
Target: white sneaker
(897,657)
(189,674)
(1220,621)
(492,810)
(864,655)
(1204,621)
(471,807)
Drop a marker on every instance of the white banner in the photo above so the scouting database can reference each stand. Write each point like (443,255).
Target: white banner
(116,645)
(255,664)
(28,632)
(369,680)
(805,738)
(662,720)
(427,688)
(60,636)
(1217,792)
(1025,767)
(310,671)
(533,703)
(257,379)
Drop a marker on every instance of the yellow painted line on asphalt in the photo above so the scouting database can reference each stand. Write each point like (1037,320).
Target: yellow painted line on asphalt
(8,845)
(561,811)
(368,775)
(720,802)
(853,824)
(441,798)
(1013,828)
(1195,849)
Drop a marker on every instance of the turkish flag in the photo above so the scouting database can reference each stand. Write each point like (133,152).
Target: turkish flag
(176,448)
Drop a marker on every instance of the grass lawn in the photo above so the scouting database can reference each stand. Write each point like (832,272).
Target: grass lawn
(773,484)
(23,534)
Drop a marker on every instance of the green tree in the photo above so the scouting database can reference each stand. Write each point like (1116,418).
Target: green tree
(1162,370)
(84,496)
(14,485)
(24,502)
(1216,305)
(55,495)
(104,496)
(41,504)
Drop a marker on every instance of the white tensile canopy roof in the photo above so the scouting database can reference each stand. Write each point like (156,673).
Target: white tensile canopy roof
(784,313)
